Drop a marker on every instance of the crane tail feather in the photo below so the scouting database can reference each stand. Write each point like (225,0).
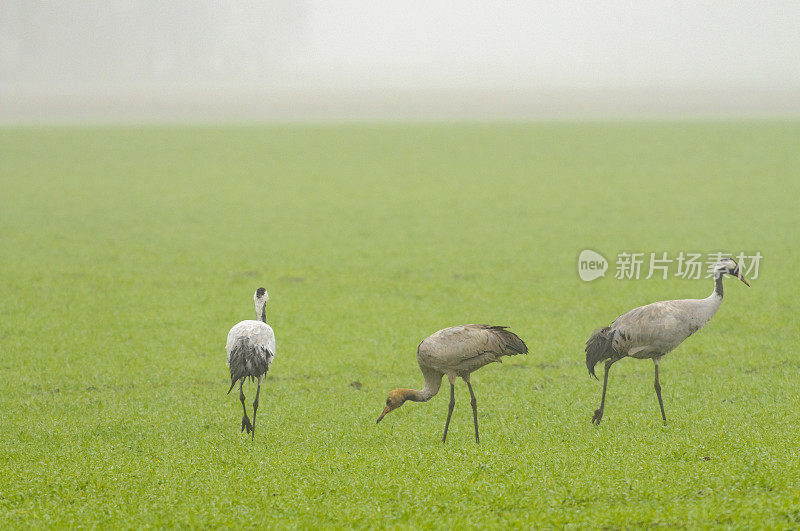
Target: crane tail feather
(512,343)
(599,347)
(247,360)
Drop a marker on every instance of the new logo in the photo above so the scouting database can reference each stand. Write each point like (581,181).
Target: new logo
(591,265)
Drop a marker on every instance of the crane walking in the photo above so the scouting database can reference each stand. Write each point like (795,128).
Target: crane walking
(457,352)
(251,349)
(654,330)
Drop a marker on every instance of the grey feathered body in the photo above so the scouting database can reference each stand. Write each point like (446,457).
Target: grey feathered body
(251,348)
(459,350)
(651,331)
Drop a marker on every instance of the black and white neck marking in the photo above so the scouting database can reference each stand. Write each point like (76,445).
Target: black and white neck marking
(260,298)
(718,283)
(722,268)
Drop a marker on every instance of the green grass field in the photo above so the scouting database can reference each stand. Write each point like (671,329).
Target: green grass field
(129,252)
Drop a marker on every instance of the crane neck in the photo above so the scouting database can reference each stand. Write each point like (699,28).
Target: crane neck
(261,312)
(718,291)
(433,381)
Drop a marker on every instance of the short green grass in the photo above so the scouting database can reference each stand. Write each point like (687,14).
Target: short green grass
(128,253)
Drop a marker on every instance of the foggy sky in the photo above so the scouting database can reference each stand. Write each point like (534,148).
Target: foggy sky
(118,51)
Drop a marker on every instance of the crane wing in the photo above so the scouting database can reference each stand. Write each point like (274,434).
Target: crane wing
(655,328)
(467,347)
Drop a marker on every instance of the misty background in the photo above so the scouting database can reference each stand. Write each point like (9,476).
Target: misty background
(356,59)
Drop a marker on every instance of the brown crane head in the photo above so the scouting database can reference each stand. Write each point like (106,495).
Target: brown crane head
(396,398)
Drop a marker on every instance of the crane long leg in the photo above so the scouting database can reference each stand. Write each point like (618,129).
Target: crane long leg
(598,414)
(450,409)
(245,420)
(255,406)
(657,386)
(474,403)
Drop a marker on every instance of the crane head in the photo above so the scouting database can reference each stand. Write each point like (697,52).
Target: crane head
(261,295)
(730,267)
(395,399)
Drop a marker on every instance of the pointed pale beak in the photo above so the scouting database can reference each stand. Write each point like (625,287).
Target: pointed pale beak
(385,411)
(741,277)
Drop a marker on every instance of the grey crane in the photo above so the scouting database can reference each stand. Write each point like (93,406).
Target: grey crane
(654,330)
(457,352)
(251,349)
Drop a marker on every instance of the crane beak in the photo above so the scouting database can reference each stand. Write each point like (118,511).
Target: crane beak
(741,277)
(385,411)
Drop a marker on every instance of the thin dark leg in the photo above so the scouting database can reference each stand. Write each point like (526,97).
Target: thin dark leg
(657,385)
(449,410)
(255,408)
(598,414)
(474,403)
(245,420)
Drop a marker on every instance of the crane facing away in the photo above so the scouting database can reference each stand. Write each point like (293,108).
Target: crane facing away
(251,349)
(457,352)
(654,330)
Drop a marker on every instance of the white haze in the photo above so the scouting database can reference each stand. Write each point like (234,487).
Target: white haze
(357,58)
